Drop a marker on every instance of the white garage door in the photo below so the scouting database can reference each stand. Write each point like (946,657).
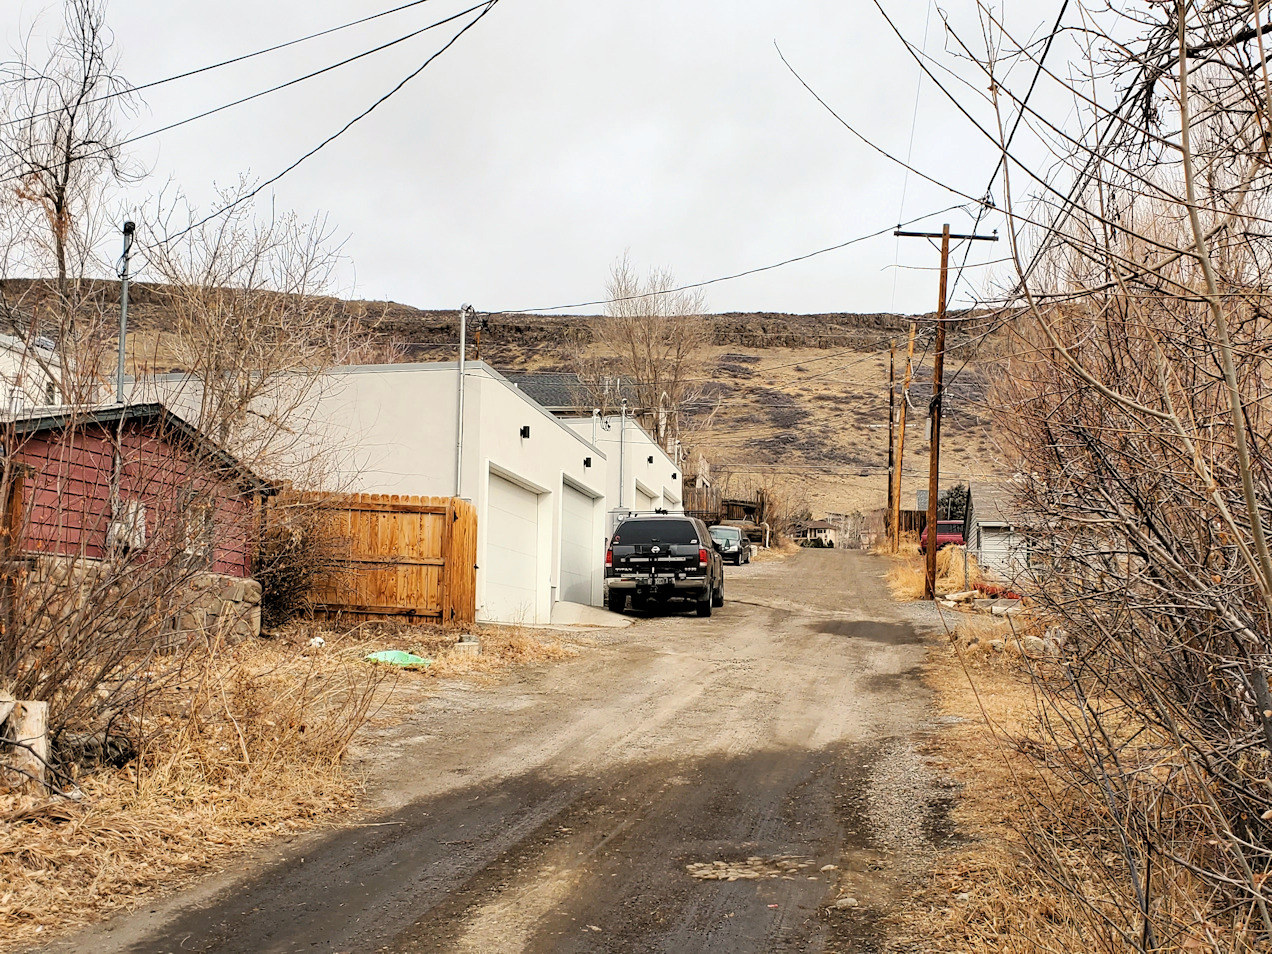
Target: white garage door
(512,550)
(577,564)
(644,502)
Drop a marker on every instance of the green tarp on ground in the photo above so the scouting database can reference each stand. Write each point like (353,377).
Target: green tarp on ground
(396,657)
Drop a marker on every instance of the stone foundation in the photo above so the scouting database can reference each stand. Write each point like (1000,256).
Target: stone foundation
(59,590)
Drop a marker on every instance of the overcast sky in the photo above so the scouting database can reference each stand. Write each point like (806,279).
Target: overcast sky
(558,133)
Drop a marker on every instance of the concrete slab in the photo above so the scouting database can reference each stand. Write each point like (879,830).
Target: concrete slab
(578,614)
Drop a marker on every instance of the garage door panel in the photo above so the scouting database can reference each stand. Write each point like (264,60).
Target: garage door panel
(577,570)
(512,547)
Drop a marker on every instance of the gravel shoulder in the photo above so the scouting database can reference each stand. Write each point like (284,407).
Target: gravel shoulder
(748,782)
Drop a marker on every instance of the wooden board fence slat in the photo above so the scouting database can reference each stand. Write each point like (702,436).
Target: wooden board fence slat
(406,556)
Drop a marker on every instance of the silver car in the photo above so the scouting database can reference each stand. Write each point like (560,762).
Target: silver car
(732,544)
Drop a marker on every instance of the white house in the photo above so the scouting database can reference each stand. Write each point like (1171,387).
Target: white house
(642,477)
(993,535)
(823,531)
(539,486)
(29,373)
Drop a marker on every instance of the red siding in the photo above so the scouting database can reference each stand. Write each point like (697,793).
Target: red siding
(66,494)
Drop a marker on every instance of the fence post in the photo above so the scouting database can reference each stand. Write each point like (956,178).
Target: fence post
(448,561)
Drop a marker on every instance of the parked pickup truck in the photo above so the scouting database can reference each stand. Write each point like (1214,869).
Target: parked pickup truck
(948,532)
(663,557)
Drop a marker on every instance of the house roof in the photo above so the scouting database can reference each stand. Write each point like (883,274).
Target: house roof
(552,389)
(818,525)
(994,502)
(39,420)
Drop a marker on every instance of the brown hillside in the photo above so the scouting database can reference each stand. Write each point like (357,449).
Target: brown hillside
(798,399)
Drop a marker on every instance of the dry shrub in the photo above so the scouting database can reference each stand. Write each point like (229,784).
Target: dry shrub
(242,744)
(298,548)
(908,545)
(906,579)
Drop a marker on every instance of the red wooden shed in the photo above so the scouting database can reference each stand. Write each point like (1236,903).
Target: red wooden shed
(86,482)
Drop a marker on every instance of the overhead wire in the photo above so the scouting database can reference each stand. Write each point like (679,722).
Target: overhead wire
(723,278)
(128,91)
(105,150)
(260,187)
(909,156)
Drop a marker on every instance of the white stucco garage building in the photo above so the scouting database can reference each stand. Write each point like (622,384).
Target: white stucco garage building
(539,486)
(641,476)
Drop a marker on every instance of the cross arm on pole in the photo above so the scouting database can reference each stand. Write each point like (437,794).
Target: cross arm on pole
(940,235)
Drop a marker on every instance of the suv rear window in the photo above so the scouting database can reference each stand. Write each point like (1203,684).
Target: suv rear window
(632,532)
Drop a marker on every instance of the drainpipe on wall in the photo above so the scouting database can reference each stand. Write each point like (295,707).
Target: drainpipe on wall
(459,418)
(622,432)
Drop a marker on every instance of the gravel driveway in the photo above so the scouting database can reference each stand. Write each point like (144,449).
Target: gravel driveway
(748,782)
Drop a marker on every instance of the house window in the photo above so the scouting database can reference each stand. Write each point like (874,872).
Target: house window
(198,528)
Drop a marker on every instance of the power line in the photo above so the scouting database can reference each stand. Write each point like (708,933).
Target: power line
(909,156)
(722,278)
(490,5)
(266,92)
(223,63)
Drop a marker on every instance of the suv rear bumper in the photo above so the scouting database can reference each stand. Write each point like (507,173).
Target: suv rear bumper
(658,585)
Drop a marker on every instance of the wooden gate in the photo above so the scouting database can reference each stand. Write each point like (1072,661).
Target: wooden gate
(411,558)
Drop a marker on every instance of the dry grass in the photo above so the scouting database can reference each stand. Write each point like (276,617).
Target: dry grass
(988,893)
(245,749)
(985,895)
(246,745)
(907,577)
(907,546)
(502,647)
(783,549)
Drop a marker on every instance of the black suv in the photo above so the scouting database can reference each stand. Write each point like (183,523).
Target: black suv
(667,556)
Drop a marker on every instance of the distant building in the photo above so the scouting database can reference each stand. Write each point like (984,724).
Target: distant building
(822,531)
(995,535)
(29,373)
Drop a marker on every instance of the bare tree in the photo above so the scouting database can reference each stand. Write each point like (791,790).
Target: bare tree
(649,349)
(253,323)
(1138,407)
(61,151)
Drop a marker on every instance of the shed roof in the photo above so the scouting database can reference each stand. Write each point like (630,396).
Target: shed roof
(995,502)
(39,420)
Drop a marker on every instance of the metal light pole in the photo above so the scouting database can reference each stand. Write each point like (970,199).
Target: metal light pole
(129,230)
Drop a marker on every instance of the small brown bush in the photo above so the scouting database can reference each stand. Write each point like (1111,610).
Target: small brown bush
(297,548)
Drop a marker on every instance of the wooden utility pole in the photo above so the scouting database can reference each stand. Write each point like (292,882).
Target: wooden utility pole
(900,455)
(892,419)
(938,371)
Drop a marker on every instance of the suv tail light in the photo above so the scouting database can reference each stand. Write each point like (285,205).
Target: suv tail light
(703,559)
(609,558)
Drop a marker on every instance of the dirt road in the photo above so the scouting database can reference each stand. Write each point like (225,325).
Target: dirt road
(678,787)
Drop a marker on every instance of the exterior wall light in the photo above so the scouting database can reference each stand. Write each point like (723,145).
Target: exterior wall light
(525,431)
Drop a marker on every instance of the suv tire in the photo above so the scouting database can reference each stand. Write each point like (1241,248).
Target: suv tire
(617,601)
(717,599)
(705,603)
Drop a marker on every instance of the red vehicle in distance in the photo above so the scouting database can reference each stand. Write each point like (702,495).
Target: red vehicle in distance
(948,533)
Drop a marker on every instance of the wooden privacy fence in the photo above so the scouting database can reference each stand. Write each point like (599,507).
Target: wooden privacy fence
(411,558)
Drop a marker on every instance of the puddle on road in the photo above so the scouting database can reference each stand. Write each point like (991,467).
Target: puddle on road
(876,631)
